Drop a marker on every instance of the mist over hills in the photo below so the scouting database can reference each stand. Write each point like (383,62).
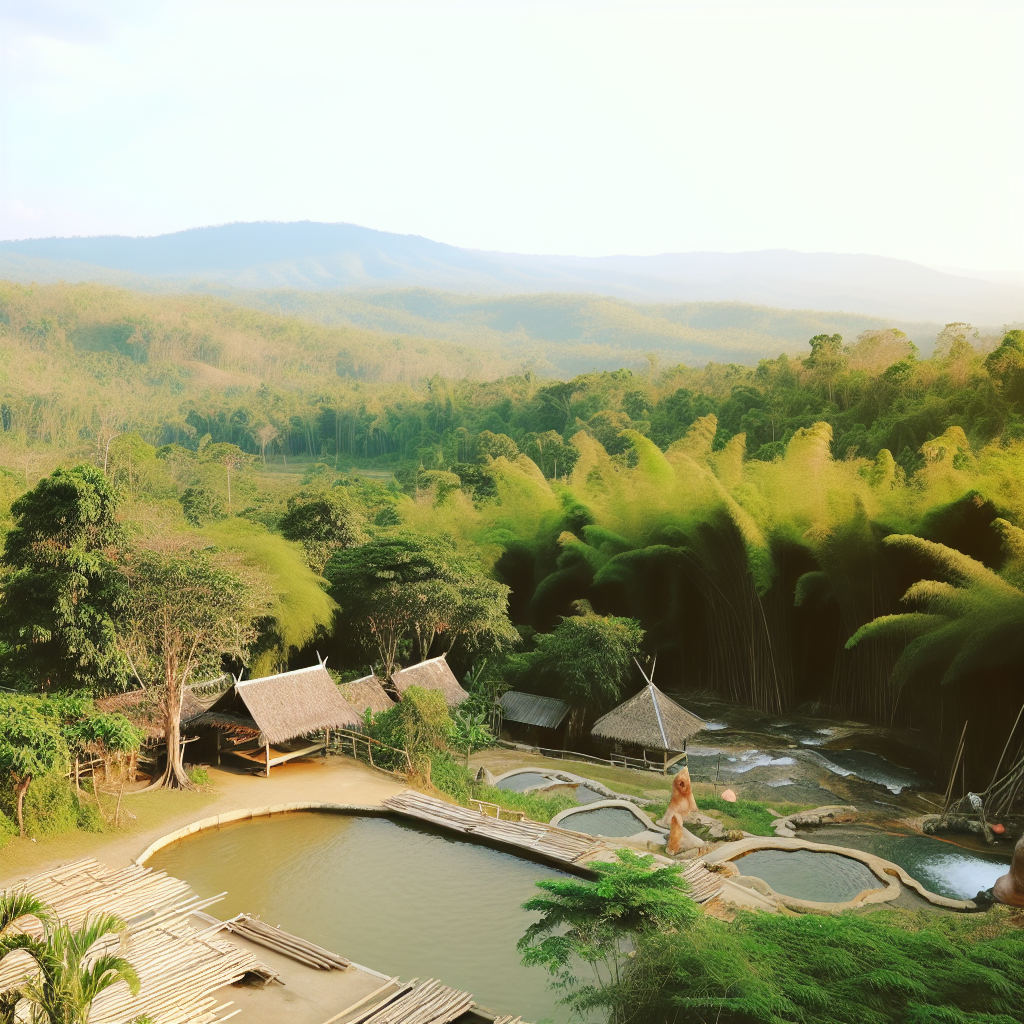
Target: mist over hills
(312,256)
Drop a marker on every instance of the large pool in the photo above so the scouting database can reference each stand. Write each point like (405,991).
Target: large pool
(399,898)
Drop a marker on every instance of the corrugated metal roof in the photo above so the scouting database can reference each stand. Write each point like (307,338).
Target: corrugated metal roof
(529,709)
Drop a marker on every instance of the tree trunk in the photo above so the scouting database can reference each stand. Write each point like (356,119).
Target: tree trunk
(173,775)
(21,790)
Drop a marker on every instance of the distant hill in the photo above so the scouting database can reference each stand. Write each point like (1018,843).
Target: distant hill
(314,256)
(569,334)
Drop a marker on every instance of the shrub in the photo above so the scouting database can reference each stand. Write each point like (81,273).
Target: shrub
(534,805)
(8,829)
(449,776)
(198,775)
(52,807)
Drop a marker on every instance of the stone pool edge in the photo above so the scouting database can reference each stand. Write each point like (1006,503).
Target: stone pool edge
(886,871)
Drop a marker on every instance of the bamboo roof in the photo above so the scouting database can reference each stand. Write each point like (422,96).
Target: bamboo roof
(367,692)
(650,720)
(529,709)
(283,706)
(144,710)
(431,675)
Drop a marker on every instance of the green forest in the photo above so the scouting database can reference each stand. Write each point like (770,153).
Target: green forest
(841,528)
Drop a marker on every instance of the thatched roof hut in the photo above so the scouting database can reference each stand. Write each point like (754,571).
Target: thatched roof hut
(431,675)
(282,707)
(529,709)
(144,709)
(367,693)
(649,720)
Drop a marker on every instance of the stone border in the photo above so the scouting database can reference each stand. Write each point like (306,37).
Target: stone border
(247,814)
(641,816)
(892,875)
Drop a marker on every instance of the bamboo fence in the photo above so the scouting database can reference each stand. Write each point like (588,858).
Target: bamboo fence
(179,967)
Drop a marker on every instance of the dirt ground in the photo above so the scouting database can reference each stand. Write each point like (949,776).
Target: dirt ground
(338,780)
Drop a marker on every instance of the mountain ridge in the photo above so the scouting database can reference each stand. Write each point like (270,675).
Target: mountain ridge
(314,256)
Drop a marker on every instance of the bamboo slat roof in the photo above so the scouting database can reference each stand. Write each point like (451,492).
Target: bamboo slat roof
(367,692)
(431,675)
(529,709)
(286,705)
(650,720)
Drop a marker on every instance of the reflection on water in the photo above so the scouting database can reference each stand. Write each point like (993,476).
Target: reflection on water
(939,866)
(398,898)
(614,822)
(806,875)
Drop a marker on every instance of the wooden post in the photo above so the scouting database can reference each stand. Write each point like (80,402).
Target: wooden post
(267,748)
(369,751)
(664,767)
(217,731)
(327,743)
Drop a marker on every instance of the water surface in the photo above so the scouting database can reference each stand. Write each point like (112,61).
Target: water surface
(807,875)
(398,898)
(614,822)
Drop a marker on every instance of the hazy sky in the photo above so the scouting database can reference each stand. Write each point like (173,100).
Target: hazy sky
(572,127)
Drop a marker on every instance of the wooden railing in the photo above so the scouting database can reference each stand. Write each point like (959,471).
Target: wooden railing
(361,747)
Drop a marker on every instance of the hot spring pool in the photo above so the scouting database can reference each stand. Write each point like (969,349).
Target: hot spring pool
(614,822)
(807,875)
(399,898)
(524,780)
(940,866)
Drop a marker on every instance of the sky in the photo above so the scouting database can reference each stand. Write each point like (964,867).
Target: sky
(585,128)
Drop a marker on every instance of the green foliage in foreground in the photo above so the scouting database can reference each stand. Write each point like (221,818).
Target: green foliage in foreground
(884,967)
(656,957)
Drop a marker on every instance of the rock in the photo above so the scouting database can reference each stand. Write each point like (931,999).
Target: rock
(681,839)
(485,777)
(1009,888)
(729,795)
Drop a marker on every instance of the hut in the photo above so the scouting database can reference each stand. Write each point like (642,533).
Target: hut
(367,694)
(528,718)
(270,720)
(649,721)
(431,675)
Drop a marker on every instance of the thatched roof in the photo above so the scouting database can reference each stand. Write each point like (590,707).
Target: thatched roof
(529,709)
(284,706)
(431,675)
(143,708)
(650,720)
(367,692)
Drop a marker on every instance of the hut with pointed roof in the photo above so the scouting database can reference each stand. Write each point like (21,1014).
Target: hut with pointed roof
(433,674)
(274,719)
(650,721)
(367,694)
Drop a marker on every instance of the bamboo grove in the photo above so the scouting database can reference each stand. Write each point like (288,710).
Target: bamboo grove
(840,528)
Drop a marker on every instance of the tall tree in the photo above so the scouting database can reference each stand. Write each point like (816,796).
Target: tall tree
(184,613)
(61,594)
(31,745)
(323,520)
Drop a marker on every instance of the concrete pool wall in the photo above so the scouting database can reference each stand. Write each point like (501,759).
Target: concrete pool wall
(891,876)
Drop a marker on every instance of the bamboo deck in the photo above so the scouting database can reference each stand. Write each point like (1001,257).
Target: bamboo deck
(547,840)
(179,967)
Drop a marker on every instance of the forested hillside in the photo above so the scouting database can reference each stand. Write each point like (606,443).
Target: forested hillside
(842,526)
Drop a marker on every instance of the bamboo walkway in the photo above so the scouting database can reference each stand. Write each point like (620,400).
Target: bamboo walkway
(179,967)
(548,840)
(414,1002)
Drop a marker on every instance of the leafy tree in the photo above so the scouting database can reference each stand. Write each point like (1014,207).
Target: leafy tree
(399,588)
(598,924)
(323,520)
(470,731)
(61,594)
(31,745)
(201,505)
(230,456)
(185,612)
(496,446)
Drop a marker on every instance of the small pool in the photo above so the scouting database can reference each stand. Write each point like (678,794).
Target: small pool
(614,822)
(807,875)
(398,898)
(940,866)
(525,780)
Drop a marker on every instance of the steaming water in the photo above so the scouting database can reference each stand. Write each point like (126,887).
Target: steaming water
(400,899)
(614,822)
(806,875)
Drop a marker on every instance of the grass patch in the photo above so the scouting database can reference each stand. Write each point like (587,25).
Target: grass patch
(750,816)
(533,805)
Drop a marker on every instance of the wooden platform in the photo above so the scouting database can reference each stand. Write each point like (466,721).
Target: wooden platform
(549,841)
(179,967)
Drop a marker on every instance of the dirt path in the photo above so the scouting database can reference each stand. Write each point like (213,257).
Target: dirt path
(339,780)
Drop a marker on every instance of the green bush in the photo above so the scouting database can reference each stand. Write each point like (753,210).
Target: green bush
(198,775)
(534,805)
(885,967)
(52,807)
(8,829)
(449,776)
